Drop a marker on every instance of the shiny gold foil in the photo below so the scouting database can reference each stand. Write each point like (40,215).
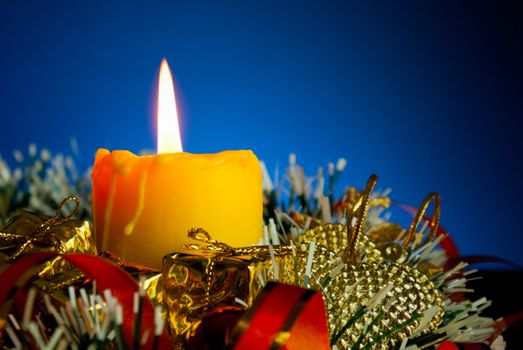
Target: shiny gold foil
(28,232)
(199,280)
(152,278)
(153,289)
(209,275)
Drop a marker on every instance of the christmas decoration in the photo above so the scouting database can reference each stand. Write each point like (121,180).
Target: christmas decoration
(28,232)
(346,273)
(282,316)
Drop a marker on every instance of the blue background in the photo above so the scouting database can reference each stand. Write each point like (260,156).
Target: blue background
(426,94)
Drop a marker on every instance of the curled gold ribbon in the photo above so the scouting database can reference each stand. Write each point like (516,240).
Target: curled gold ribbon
(347,240)
(434,221)
(223,249)
(41,234)
(362,217)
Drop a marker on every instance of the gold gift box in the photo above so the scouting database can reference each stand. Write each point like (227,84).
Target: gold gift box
(28,232)
(197,281)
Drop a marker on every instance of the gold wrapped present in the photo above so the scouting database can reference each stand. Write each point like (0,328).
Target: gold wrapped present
(367,291)
(209,277)
(28,232)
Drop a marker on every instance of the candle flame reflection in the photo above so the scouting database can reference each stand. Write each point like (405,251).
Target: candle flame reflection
(169,140)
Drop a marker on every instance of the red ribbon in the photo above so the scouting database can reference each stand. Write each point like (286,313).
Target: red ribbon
(450,345)
(283,317)
(107,276)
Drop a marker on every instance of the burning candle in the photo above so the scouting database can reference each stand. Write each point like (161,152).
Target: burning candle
(143,206)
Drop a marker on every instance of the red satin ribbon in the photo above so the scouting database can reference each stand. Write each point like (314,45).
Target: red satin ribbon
(107,276)
(283,317)
(449,345)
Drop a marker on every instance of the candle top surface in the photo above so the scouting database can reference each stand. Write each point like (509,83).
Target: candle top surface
(102,152)
(123,160)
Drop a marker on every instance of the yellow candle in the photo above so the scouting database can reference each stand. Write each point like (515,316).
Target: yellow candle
(143,206)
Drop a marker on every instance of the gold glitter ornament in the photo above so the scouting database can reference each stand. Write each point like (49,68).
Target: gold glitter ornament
(291,268)
(336,238)
(384,232)
(346,288)
(351,272)
(347,241)
(396,246)
(412,293)
(384,236)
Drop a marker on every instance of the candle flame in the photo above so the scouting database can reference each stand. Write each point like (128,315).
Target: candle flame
(169,140)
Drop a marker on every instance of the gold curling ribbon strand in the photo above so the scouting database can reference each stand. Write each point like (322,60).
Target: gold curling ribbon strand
(351,202)
(209,271)
(201,235)
(57,218)
(40,233)
(434,222)
(362,217)
(260,252)
(357,205)
(73,213)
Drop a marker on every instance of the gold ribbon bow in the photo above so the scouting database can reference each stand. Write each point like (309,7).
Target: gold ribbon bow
(222,249)
(258,252)
(41,235)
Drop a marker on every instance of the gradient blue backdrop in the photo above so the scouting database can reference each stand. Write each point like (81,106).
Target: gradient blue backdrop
(426,94)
